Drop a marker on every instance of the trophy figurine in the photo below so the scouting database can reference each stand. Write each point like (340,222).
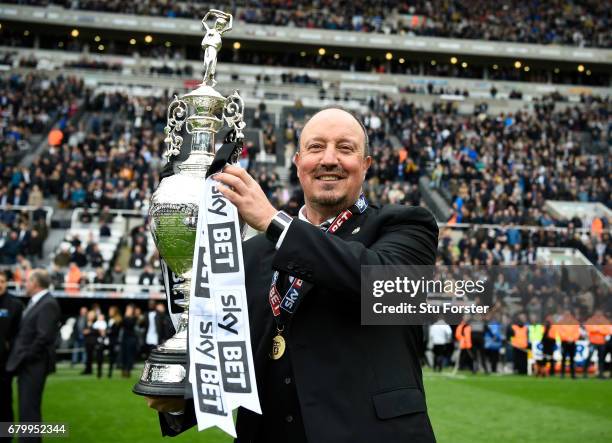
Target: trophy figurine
(174,205)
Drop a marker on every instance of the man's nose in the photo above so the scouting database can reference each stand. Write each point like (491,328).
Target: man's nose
(329,156)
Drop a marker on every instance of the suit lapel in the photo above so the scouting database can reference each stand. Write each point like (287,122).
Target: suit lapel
(349,230)
(37,306)
(352,227)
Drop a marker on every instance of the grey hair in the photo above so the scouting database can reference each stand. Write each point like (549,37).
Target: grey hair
(41,277)
(366,148)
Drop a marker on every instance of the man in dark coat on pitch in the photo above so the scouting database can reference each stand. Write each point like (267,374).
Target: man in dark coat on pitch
(32,357)
(10,315)
(336,381)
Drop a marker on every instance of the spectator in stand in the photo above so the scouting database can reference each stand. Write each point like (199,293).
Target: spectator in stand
(94,257)
(73,278)
(78,256)
(62,258)
(105,230)
(10,249)
(138,258)
(85,216)
(117,275)
(57,276)
(101,277)
(147,277)
(35,249)
(36,197)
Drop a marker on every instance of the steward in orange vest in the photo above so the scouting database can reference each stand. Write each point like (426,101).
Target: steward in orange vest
(569,332)
(463,334)
(598,328)
(518,335)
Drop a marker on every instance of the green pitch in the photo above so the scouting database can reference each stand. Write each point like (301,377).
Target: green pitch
(465,408)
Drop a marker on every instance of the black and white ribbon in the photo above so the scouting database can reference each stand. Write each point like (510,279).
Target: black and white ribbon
(170,281)
(221,368)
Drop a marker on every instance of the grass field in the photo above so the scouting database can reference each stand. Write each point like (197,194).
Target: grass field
(465,408)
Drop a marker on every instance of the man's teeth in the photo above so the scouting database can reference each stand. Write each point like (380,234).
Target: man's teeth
(329,178)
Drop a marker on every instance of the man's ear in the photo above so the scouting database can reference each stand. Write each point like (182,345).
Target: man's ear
(368,163)
(295,158)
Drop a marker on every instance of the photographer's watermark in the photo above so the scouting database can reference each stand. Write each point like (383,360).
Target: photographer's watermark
(417,295)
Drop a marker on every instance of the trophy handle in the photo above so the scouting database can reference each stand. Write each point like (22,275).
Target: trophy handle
(177,113)
(233,114)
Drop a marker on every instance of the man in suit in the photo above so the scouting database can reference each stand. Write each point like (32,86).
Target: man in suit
(336,381)
(10,315)
(32,357)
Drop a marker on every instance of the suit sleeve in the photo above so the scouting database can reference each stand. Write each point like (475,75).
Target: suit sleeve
(408,237)
(46,331)
(16,319)
(172,425)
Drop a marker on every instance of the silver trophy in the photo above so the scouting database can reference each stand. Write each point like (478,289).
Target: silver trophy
(174,205)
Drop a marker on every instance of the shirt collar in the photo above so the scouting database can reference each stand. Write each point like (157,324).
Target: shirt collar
(302,216)
(36,297)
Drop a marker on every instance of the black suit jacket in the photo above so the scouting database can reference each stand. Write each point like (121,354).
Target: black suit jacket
(37,334)
(355,383)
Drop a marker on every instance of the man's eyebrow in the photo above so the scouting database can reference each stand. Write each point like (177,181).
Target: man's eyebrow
(314,139)
(353,141)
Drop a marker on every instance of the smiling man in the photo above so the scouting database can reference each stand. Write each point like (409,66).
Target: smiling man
(322,377)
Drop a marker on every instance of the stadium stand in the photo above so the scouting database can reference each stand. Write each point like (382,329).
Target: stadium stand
(583,23)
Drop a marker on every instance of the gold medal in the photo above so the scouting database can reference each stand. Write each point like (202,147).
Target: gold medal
(278,347)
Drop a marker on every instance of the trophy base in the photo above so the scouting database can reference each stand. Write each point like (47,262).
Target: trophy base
(163,375)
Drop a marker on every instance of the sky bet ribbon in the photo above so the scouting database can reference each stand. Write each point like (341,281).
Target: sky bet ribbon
(285,305)
(221,368)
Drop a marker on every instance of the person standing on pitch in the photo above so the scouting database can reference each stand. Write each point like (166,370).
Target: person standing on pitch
(440,335)
(518,336)
(493,342)
(10,315)
(569,332)
(32,357)
(321,375)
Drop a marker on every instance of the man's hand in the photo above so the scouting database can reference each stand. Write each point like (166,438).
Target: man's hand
(247,196)
(166,404)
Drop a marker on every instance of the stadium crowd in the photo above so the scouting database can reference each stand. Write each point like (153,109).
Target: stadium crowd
(583,23)
(493,169)
(28,105)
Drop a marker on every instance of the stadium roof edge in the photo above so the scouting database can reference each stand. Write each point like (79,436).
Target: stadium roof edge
(185,27)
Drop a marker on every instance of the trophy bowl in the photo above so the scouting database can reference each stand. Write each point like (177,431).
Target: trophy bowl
(173,221)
